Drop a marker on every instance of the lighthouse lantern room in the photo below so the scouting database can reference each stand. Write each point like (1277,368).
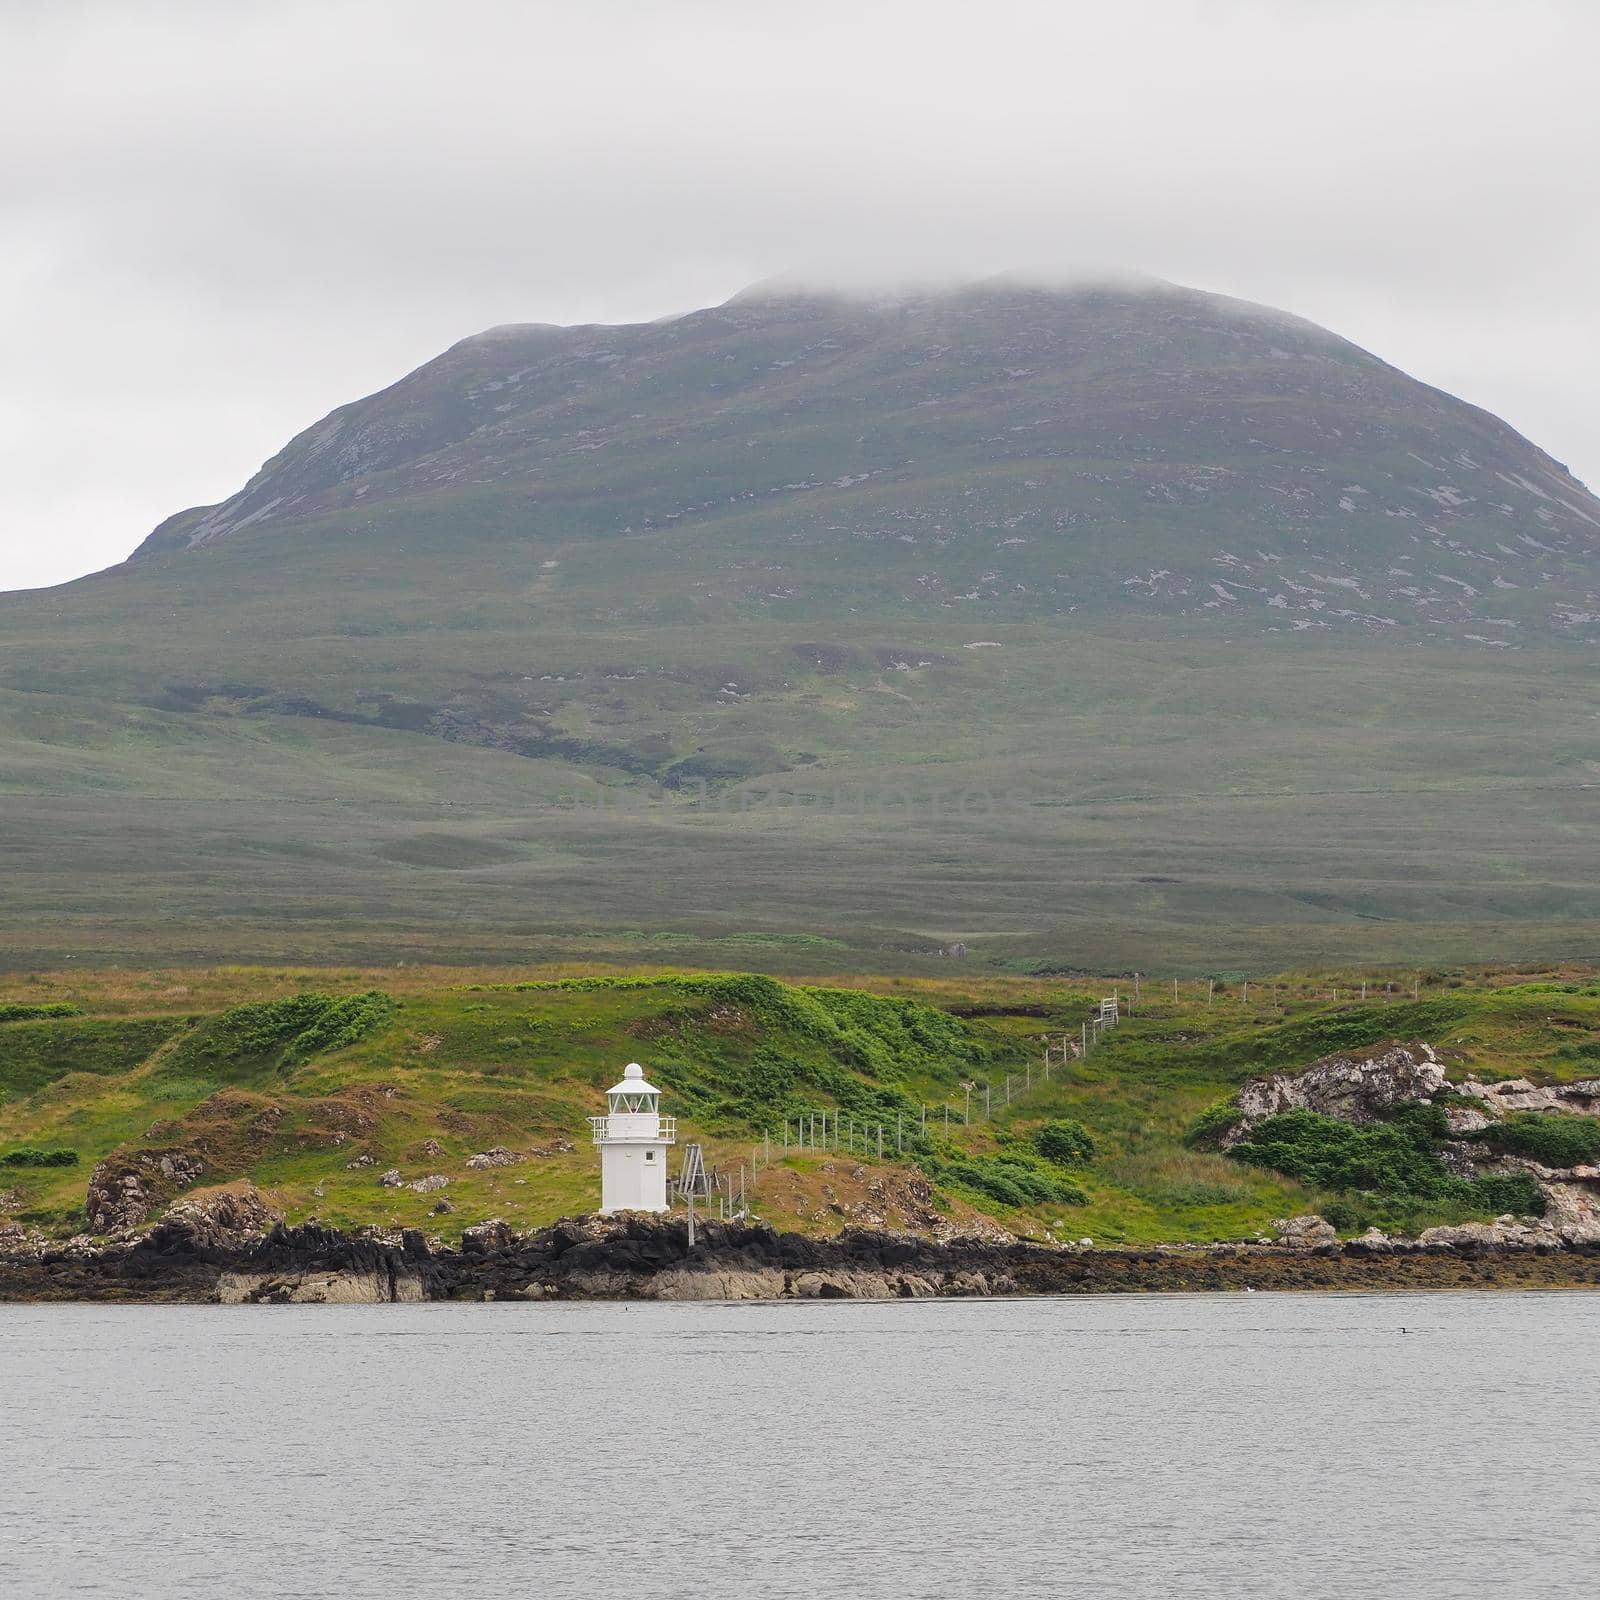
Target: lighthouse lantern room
(632,1138)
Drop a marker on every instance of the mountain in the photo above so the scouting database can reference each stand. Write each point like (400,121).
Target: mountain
(1107,624)
(1000,451)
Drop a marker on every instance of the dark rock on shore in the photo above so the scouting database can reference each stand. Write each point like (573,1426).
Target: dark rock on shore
(649,1258)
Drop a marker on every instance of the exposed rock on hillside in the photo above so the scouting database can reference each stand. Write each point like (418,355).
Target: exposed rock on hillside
(1364,1086)
(1518,1094)
(122,1193)
(224,1218)
(1356,1087)
(1306,1233)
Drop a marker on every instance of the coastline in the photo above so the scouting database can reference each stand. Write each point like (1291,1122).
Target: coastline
(647,1258)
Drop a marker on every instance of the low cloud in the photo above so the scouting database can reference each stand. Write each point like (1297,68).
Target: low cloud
(231,219)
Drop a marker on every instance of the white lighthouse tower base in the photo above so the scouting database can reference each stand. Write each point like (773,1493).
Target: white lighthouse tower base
(632,1139)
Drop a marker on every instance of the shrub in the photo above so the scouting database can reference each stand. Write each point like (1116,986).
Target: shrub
(1212,1126)
(27,1157)
(1549,1138)
(1065,1142)
(1010,1180)
(23,1011)
(1397,1160)
(1516,1192)
(1392,1158)
(288,1032)
(1589,1050)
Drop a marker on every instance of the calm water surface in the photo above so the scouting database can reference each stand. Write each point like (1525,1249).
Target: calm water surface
(1206,1446)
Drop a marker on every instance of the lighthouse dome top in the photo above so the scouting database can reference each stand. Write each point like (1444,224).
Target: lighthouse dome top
(633,1081)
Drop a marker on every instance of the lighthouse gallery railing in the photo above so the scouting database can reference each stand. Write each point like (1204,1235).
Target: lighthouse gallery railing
(668,1132)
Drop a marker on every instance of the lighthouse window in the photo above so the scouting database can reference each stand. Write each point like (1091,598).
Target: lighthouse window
(649,1155)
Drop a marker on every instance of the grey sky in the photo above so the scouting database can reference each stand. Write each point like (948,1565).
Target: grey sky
(221,219)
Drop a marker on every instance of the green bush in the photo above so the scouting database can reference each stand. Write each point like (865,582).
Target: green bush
(1008,1179)
(1212,1126)
(24,1011)
(284,1032)
(1065,1142)
(1589,1050)
(1391,1158)
(1397,1160)
(1516,1192)
(839,1048)
(1549,1138)
(27,1157)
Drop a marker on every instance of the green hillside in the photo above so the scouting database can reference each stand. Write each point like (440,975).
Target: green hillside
(191,1080)
(1101,628)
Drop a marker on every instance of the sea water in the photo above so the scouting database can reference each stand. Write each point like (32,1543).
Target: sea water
(1223,1446)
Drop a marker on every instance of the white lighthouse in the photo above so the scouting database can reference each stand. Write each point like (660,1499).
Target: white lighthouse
(632,1138)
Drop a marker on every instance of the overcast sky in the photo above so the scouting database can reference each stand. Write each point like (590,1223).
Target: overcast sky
(219,220)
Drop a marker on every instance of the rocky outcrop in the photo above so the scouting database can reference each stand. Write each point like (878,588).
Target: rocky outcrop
(1359,1086)
(328,1288)
(1504,1233)
(1572,1211)
(486,1237)
(649,1258)
(1306,1233)
(230,1217)
(497,1157)
(1365,1086)
(122,1193)
(1518,1094)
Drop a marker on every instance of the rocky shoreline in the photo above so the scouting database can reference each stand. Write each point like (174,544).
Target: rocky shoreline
(182,1261)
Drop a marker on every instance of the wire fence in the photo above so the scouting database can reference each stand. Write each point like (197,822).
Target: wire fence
(831,1130)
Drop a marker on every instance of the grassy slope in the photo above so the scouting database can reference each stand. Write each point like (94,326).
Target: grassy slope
(412,721)
(470,1060)
(1072,799)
